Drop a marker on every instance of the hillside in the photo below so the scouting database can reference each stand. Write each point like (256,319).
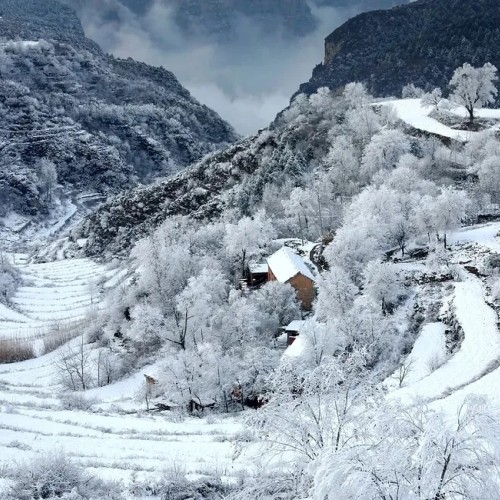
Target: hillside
(311,312)
(425,40)
(103,124)
(32,20)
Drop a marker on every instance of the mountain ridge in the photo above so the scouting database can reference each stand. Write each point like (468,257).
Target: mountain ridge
(425,40)
(106,124)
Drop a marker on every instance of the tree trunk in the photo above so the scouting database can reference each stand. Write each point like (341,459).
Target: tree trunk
(470,110)
(243,260)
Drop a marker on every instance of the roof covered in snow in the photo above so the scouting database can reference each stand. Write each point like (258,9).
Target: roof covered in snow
(296,349)
(258,267)
(295,326)
(286,264)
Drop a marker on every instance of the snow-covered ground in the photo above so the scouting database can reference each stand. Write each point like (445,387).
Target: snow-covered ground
(109,440)
(117,439)
(475,367)
(54,293)
(417,116)
(487,114)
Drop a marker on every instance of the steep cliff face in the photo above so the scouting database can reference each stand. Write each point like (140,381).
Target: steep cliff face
(420,43)
(105,124)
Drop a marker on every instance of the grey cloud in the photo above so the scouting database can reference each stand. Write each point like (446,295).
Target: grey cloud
(247,79)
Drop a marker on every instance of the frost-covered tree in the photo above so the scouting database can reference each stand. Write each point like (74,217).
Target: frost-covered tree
(356,95)
(195,306)
(432,98)
(343,167)
(382,284)
(312,410)
(451,208)
(336,293)
(410,91)
(248,238)
(384,151)
(489,177)
(418,454)
(47,176)
(474,87)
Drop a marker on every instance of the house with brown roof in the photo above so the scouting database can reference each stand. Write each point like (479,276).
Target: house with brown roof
(286,266)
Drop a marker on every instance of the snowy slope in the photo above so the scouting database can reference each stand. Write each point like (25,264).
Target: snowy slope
(474,368)
(417,116)
(56,292)
(480,347)
(109,441)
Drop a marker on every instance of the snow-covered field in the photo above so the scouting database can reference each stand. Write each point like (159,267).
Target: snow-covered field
(109,440)
(417,116)
(55,293)
(116,439)
(475,367)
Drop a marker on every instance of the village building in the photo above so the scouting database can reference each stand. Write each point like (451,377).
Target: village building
(286,266)
(292,331)
(257,273)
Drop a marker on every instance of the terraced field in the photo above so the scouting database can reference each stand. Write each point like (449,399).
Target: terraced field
(56,293)
(113,439)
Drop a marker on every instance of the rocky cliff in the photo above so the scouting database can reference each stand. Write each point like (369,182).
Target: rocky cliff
(420,43)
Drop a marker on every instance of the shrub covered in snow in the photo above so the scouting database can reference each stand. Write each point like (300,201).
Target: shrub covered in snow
(54,475)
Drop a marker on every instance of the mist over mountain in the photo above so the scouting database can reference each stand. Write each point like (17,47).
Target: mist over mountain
(243,58)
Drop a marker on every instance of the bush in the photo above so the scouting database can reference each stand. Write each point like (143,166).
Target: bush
(202,489)
(48,476)
(13,352)
(59,334)
(53,476)
(9,280)
(76,401)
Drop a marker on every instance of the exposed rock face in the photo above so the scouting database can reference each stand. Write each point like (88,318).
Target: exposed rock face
(420,43)
(106,124)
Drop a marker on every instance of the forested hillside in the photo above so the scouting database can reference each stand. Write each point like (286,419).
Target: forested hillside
(425,40)
(102,124)
(308,313)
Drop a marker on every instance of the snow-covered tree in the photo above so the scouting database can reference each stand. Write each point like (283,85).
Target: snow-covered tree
(432,98)
(384,151)
(312,411)
(451,208)
(474,87)
(336,293)
(356,95)
(47,178)
(416,454)
(248,238)
(489,177)
(410,91)
(382,284)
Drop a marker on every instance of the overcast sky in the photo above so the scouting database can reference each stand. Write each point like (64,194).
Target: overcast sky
(247,81)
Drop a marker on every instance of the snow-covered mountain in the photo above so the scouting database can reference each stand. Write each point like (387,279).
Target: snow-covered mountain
(182,356)
(425,40)
(97,123)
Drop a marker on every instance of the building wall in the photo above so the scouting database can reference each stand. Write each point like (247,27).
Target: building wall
(305,290)
(304,287)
